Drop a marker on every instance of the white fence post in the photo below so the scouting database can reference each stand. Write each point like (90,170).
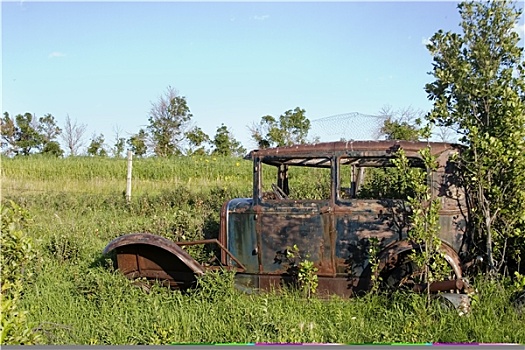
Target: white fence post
(128,178)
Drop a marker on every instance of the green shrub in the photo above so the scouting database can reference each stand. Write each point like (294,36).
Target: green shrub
(15,260)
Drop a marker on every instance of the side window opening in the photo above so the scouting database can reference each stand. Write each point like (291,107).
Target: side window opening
(352,179)
(296,182)
(374,179)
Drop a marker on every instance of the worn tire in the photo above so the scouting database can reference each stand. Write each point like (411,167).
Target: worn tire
(404,275)
(399,277)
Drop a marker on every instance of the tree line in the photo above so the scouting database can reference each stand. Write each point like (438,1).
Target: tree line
(169,132)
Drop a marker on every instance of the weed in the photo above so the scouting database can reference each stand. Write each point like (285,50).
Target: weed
(374,248)
(424,219)
(304,270)
(63,247)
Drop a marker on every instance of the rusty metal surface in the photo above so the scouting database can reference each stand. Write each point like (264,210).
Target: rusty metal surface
(147,239)
(334,233)
(288,224)
(154,258)
(154,263)
(223,227)
(440,286)
(238,222)
(253,283)
(315,154)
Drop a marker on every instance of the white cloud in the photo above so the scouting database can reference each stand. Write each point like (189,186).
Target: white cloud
(425,41)
(56,54)
(260,18)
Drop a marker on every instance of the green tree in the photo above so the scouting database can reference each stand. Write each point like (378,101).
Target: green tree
(48,128)
(137,143)
(479,88)
(225,144)
(403,124)
(118,148)
(292,127)
(25,134)
(197,140)
(168,120)
(52,148)
(9,134)
(120,143)
(49,131)
(19,134)
(399,130)
(424,217)
(96,146)
(28,137)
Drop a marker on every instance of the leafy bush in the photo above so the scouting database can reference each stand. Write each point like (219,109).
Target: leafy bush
(17,255)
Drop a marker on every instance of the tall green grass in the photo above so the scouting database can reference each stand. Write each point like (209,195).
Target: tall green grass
(75,297)
(100,175)
(97,306)
(158,169)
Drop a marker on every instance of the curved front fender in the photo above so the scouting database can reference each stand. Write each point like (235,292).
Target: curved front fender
(154,257)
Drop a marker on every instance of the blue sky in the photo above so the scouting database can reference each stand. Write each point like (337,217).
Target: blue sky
(104,63)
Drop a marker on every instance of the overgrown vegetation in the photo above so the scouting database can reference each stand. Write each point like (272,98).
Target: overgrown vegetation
(479,90)
(303,270)
(97,305)
(424,218)
(16,262)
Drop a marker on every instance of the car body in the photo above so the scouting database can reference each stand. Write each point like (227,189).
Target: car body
(311,196)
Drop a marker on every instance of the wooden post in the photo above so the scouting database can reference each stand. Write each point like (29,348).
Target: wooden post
(128,178)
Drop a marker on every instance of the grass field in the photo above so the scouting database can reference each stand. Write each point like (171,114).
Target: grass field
(74,297)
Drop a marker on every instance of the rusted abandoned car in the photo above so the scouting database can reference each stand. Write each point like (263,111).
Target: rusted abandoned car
(332,222)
